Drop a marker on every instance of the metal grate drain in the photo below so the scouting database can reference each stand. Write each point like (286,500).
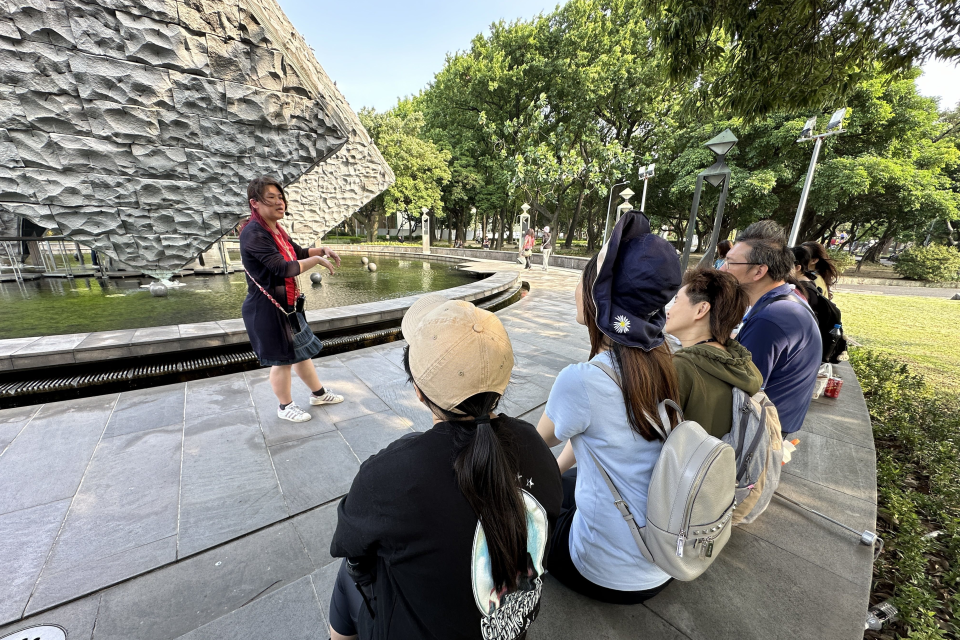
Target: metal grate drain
(43,632)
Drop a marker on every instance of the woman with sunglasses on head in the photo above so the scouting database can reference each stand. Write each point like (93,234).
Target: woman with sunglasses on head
(620,299)
(273,309)
(710,363)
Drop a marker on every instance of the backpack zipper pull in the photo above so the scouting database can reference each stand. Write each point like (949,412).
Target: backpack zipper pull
(681,539)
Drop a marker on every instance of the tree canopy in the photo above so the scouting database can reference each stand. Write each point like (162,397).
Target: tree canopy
(558,110)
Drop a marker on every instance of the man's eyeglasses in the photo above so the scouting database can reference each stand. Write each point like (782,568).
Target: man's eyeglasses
(727,264)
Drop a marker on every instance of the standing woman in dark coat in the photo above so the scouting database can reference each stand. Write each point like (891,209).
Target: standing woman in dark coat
(272,260)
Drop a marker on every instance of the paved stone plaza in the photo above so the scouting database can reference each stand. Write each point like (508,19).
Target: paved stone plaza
(191,511)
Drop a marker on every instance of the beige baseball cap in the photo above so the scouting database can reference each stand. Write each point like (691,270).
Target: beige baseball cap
(456,350)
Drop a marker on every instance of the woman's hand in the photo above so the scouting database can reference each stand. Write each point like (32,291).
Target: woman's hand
(330,253)
(325,263)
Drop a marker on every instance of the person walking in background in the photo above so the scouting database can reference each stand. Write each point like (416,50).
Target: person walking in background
(546,248)
(620,298)
(780,330)
(825,268)
(723,247)
(527,247)
(445,532)
(710,363)
(273,309)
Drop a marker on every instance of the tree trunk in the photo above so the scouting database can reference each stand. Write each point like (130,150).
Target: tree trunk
(874,252)
(573,220)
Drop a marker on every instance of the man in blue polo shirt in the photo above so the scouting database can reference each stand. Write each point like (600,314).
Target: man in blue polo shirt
(779,330)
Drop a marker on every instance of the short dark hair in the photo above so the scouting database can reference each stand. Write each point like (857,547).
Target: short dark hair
(728,301)
(801,256)
(723,248)
(768,246)
(257,188)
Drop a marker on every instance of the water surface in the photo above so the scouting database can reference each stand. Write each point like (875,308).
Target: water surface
(51,306)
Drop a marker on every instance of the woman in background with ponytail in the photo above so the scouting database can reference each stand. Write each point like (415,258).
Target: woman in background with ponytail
(445,533)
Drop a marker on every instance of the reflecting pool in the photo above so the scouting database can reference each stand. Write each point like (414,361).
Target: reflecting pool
(51,306)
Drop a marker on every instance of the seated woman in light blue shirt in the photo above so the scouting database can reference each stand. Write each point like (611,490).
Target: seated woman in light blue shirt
(621,303)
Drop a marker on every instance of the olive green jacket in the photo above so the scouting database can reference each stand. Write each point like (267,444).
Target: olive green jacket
(707,376)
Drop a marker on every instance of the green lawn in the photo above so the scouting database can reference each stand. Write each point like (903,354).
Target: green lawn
(924,332)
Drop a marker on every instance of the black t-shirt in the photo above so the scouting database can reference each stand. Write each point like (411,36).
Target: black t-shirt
(432,569)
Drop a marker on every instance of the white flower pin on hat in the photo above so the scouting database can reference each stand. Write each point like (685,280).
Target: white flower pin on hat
(621,324)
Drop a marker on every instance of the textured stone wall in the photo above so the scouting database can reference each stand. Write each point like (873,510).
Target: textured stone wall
(133,126)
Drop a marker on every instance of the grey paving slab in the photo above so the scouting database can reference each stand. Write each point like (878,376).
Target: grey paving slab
(275,430)
(12,345)
(177,599)
(567,614)
(393,352)
(102,339)
(373,368)
(523,395)
(846,427)
(64,434)
(359,398)
(813,539)
(26,537)
(57,588)
(146,409)
(123,519)
(227,486)
(369,434)
(156,334)
(63,342)
(291,613)
(197,329)
(401,398)
(838,465)
(323,581)
(216,395)
(12,422)
(314,470)
(755,590)
(76,618)
(316,528)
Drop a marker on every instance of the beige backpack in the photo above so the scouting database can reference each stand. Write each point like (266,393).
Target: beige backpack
(690,500)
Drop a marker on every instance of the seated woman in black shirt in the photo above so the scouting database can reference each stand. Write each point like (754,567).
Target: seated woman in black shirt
(446,532)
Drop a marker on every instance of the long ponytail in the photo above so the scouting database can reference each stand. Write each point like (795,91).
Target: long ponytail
(486,468)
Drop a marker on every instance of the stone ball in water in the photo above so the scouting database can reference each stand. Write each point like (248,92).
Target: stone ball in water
(372,266)
(316,278)
(158,290)
(364,260)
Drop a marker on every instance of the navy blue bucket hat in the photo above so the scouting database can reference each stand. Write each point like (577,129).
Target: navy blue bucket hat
(638,273)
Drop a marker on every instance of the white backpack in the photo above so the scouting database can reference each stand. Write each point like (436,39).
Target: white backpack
(690,500)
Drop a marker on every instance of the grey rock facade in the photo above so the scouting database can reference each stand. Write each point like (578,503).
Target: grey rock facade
(133,126)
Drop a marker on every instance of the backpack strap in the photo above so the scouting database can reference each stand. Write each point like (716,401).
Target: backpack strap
(664,430)
(783,296)
(624,511)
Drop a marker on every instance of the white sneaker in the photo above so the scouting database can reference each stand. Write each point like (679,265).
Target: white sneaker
(293,413)
(327,398)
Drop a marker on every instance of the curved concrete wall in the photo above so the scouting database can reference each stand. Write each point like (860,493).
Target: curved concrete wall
(134,127)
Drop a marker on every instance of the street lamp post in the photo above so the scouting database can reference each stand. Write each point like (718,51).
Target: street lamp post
(626,194)
(716,174)
(834,127)
(646,173)
(609,224)
(425,223)
(473,214)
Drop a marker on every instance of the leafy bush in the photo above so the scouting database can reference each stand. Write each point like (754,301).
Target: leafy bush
(843,259)
(916,429)
(935,262)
